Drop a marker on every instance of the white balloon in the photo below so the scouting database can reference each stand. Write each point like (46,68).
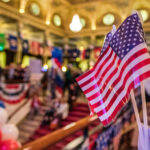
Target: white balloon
(3,116)
(9,131)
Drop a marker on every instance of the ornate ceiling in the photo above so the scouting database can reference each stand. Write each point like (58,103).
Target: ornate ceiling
(43,12)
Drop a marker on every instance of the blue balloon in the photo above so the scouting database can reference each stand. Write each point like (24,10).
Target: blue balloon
(2,104)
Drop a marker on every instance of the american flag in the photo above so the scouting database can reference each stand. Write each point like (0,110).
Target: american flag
(120,68)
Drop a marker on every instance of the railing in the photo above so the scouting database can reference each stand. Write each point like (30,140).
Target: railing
(58,135)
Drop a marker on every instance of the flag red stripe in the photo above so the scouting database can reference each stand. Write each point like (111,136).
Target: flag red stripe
(104,73)
(121,104)
(84,75)
(136,67)
(99,59)
(103,64)
(90,71)
(137,54)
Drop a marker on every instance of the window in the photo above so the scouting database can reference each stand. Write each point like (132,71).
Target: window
(6,1)
(35,9)
(108,19)
(57,20)
(83,22)
(144,14)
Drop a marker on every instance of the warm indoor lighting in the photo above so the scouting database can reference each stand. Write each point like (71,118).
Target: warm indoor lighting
(45,66)
(64,69)
(93,27)
(21,10)
(47,22)
(144,14)
(81,48)
(75,25)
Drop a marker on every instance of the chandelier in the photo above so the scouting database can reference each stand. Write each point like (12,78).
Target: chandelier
(75,25)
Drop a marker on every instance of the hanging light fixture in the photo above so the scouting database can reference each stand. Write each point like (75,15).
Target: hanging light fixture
(75,25)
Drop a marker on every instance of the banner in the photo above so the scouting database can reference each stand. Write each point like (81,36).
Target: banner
(34,47)
(74,53)
(13,42)
(2,41)
(25,46)
(13,93)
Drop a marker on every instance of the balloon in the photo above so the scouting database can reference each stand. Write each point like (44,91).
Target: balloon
(2,104)
(3,116)
(0,135)
(10,131)
(9,145)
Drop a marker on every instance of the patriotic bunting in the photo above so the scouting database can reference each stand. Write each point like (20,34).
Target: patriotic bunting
(121,67)
(13,93)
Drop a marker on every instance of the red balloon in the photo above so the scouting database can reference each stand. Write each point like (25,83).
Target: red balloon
(8,145)
(0,135)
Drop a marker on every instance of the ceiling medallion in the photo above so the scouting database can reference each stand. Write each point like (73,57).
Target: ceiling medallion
(76,24)
(108,19)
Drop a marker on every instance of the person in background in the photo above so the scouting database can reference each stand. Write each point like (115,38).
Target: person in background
(19,73)
(52,78)
(72,95)
(35,105)
(48,117)
(11,71)
(44,82)
(26,74)
(6,73)
(68,78)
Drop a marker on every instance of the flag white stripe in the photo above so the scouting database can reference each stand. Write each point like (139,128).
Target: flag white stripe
(11,90)
(122,94)
(104,79)
(90,84)
(105,66)
(132,52)
(131,65)
(96,69)
(109,72)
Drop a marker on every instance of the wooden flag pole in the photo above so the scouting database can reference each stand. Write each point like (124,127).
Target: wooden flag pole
(144,114)
(137,116)
(144,104)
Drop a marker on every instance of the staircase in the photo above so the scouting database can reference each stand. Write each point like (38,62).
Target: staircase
(28,126)
(80,111)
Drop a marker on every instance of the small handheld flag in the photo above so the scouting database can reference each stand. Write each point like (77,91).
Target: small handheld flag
(120,68)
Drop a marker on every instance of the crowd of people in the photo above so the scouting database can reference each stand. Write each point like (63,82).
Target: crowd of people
(14,73)
(47,87)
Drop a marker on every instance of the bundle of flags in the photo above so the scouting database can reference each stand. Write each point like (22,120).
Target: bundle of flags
(13,93)
(57,64)
(123,63)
